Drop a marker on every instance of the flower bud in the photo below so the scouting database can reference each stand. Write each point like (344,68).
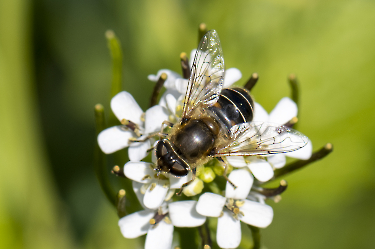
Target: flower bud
(193,188)
(207,175)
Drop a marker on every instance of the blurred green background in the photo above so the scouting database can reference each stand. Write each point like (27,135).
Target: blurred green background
(55,66)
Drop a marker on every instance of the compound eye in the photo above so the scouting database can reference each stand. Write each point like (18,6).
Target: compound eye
(161,149)
(178,170)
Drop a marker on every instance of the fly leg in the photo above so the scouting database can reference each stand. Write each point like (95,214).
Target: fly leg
(167,124)
(225,171)
(194,171)
(151,135)
(154,134)
(159,134)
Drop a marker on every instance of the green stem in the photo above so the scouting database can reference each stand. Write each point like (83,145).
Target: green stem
(187,237)
(255,232)
(116,54)
(204,233)
(158,86)
(252,81)
(121,203)
(100,163)
(294,85)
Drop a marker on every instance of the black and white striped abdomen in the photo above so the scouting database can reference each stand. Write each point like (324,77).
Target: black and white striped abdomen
(234,106)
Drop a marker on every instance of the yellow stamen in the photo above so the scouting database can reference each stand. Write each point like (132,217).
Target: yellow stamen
(153,186)
(236,211)
(144,188)
(143,117)
(133,139)
(239,203)
(146,177)
(121,192)
(167,220)
(152,221)
(183,55)
(124,122)
(116,169)
(277,198)
(283,183)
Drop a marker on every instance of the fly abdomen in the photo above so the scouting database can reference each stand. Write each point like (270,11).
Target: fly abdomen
(234,106)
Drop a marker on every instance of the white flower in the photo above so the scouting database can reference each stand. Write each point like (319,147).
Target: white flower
(155,188)
(262,169)
(125,109)
(233,208)
(177,83)
(159,225)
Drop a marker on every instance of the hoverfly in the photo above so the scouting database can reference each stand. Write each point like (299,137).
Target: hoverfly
(217,122)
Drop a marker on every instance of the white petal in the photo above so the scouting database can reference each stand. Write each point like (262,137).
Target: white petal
(243,181)
(171,77)
(124,106)
(183,214)
(210,204)
(231,75)
(236,161)
(228,234)
(138,151)
(256,214)
(261,169)
(113,139)
(171,103)
(159,237)
(259,113)
(154,198)
(176,182)
(136,224)
(137,171)
(170,194)
(303,153)
(181,85)
(278,161)
(137,190)
(153,153)
(173,92)
(154,118)
(283,112)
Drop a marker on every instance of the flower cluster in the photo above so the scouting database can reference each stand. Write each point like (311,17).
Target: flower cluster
(155,190)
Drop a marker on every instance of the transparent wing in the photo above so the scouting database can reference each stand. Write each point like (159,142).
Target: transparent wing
(262,139)
(207,74)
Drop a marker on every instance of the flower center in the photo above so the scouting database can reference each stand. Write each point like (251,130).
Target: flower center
(234,206)
(159,217)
